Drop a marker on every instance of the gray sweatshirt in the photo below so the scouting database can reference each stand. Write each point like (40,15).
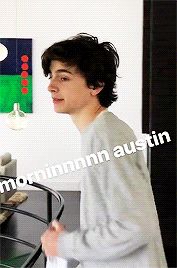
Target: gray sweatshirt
(119,224)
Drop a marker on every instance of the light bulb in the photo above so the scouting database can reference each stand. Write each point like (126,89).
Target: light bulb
(16,119)
(3,52)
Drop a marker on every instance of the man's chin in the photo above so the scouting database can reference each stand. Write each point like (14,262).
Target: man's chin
(59,111)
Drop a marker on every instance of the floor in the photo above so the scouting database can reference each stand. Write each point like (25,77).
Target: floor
(30,230)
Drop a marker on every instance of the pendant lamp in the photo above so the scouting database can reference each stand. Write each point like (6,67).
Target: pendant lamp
(16,119)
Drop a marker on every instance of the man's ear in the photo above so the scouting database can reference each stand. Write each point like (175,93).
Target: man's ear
(95,90)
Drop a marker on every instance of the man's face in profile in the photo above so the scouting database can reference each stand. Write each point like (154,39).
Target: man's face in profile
(68,88)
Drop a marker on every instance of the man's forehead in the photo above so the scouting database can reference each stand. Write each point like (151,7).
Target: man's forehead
(58,66)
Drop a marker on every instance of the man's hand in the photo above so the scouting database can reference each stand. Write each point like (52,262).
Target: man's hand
(50,237)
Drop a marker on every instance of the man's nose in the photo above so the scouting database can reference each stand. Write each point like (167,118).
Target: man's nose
(52,87)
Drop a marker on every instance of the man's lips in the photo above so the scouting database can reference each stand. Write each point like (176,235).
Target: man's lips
(57,100)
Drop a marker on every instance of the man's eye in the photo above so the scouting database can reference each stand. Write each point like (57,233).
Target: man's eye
(64,78)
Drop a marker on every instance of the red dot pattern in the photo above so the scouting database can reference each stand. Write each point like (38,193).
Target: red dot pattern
(24,74)
(24,90)
(25,66)
(24,82)
(24,58)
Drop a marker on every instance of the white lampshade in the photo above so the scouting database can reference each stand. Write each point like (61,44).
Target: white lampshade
(16,119)
(3,52)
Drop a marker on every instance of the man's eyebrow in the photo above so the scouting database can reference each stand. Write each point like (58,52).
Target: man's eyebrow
(63,71)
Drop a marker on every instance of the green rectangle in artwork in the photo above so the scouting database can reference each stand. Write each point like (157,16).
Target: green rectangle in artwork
(11,92)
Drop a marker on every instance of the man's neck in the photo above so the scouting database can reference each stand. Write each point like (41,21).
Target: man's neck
(84,118)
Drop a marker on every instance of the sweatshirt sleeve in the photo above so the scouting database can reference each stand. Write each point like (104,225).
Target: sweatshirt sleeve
(102,243)
(123,188)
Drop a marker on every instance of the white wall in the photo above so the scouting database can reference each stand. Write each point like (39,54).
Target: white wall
(52,138)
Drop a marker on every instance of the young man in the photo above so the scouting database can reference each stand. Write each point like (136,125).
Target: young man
(119,223)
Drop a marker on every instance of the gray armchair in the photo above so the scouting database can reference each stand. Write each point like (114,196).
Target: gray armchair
(8,167)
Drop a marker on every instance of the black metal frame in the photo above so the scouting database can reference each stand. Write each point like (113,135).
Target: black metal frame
(159,105)
(37,248)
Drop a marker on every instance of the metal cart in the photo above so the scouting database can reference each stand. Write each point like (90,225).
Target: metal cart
(36,249)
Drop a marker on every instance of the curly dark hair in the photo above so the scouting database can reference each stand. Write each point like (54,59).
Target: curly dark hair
(97,62)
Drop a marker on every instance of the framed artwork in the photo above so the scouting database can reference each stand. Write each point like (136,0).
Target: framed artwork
(16,74)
